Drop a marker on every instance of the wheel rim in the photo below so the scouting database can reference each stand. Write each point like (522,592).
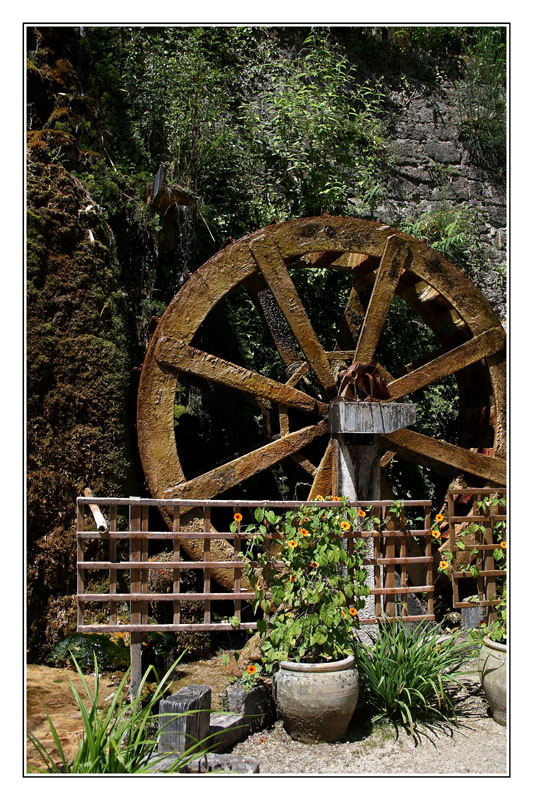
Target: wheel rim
(384,262)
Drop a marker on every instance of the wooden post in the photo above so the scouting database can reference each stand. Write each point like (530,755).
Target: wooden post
(135,606)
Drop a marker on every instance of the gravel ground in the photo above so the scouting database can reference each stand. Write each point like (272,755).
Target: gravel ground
(477,746)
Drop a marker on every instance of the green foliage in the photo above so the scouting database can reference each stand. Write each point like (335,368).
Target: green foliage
(311,606)
(256,129)
(483,101)
(85,647)
(405,675)
(119,738)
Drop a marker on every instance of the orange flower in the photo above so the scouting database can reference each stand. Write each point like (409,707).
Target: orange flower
(345,525)
(336,499)
(361,513)
(503,545)
(353,611)
(443,565)
(252,669)
(344,614)
(304,532)
(262,740)
(292,578)
(292,544)
(237,517)
(439,518)
(436,534)
(314,564)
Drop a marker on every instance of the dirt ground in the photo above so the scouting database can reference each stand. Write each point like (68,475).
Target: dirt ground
(477,746)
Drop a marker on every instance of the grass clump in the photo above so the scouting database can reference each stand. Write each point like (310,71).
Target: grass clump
(406,675)
(122,736)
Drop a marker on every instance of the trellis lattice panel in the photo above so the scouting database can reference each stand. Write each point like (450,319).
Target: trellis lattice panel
(473,539)
(114,561)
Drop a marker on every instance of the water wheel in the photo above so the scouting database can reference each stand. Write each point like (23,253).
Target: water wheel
(379,264)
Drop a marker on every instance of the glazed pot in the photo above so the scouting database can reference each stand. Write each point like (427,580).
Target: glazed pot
(493,677)
(316,701)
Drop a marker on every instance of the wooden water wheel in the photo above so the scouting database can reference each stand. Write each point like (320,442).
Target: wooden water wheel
(380,263)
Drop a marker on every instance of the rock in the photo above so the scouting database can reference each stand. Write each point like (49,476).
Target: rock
(256,705)
(225,730)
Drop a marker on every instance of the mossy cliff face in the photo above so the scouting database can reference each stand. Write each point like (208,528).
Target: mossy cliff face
(78,374)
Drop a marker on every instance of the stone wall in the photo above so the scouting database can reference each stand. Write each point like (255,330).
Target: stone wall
(433,170)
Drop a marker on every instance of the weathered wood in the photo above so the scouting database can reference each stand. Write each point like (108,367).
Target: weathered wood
(276,274)
(179,356)
(230,474)
(435,453)
(387,278)
(322,481)
(347,416)
(460,357)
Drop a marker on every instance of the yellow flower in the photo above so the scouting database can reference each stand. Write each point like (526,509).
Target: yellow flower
(439,518)
(345,525)
(503,545)
(314,564)
(361,513)
(304,532)
(292,544)
(443,565)
(436,534)
(252,669)
(237,517)
(319,498)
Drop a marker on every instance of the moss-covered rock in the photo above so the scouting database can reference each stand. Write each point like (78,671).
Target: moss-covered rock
(78,376)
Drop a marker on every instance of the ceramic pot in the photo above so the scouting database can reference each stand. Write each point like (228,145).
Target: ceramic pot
(316,701)
(493,677)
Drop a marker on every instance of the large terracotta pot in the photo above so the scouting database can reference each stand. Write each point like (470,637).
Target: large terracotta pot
(316,701)
(493,676)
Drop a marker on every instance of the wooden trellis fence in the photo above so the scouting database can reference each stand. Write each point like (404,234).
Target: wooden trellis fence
(128,552)
(480,546)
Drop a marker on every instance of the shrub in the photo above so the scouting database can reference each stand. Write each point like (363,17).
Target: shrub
(121,737)
(405,675)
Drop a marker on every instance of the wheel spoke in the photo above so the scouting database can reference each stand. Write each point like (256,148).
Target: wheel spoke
(276,274)
(460,357)
(385,284)
(270,313)
(176,355)
(323,479)
(444,457)
(222,478)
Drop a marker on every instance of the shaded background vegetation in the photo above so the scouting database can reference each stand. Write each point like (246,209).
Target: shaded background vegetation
(255,124)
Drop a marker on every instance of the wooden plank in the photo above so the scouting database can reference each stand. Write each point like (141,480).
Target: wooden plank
(323,477)
(80,576)
(176,574)
(113,557)
(274,270)
(475,349)
(388,590)
(385,284)
(166,596)
(222,478)
(177,355)
(135,610)
(166,628)
(435,453)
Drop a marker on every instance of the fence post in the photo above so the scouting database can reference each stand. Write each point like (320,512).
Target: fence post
(135,607)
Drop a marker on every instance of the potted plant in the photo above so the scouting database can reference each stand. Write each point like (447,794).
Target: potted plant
(311,585)
(493,661)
